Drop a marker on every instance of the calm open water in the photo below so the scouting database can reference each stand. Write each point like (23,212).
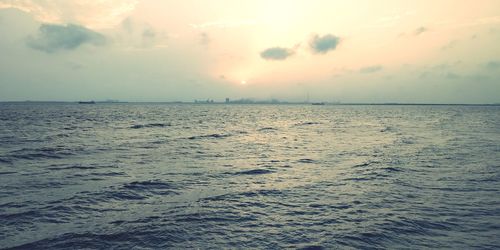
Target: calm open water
(249,176)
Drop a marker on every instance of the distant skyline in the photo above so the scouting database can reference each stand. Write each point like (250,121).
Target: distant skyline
(442,51)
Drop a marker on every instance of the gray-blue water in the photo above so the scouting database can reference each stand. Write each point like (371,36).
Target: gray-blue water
(252,176)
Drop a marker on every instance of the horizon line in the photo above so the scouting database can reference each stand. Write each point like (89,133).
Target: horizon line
(263,102)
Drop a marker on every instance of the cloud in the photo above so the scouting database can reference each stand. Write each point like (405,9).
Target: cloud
(452,76)
(204,38)
(276,53)
(53,38)
(224,24)
(420,30)
(148,37)
(493,65)
(323,44)
(491,20)
(371,69)
(93,14)
(148,33)
(450,45)
(136,34)
(128,25)
(440,67)
(74,65)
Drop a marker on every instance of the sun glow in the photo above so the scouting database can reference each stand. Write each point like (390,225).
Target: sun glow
(243,82)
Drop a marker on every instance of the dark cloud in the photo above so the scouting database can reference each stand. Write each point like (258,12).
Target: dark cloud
(420,30)
(52,38)
(371,69)
(276,53)
(323,44)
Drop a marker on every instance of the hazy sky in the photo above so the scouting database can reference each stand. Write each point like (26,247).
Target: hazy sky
(437,51)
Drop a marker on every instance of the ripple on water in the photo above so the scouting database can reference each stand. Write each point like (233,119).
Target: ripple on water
(139,190)
(267,129)
(210,136)
(306,160)
(151,125)
(254,172)
(125,239)
(365,164)
(306,124)
(72,167)
(7,172)
(58,152)
(5,160)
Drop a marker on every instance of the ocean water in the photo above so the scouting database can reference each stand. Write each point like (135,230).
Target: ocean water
(146,176)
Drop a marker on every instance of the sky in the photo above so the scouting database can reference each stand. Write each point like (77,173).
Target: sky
(427,51)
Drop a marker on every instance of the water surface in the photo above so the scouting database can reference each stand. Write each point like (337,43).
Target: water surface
(249,176)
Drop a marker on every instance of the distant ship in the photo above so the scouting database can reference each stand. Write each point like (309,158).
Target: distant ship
(318,103)
(83,102)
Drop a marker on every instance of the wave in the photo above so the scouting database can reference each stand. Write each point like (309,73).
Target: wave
(364,164)
(5,160)
(139,190)
(147,185)
(43,153)
(87,240)
(219,217)
(307,123)
(356,179)
(392,169)
(306,160)
(387,129)
(254,172)
(237,196)
(109,174)
(8,172)
(151,125)
(405,140)
(267,129)
(418,226)
(79,167)
(210,136)
(313,247)
(122,195)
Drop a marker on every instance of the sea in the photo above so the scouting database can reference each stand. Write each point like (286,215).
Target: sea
(216,176)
